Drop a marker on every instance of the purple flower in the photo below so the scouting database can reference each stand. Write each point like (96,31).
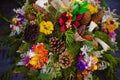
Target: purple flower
(112,35)
(81,57)
(21,17)
(26,60)
(81,65)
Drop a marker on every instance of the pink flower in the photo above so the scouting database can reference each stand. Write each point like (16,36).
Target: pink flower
(112,35)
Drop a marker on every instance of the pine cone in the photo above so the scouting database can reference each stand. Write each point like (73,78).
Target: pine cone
(31,33)
(30,17)
(86,18)
(81,30)
(39,9)
(58,45)
(96,18)
(65,60)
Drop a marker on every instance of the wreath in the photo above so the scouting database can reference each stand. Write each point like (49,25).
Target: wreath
(64,40)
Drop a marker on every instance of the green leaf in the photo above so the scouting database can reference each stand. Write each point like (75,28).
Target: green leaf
(83,10)
(6,19)
(39,18)
(29,9)
(75,11)
(89,43)
(69,37)
(44,76)
(47,46)
(25,47)
(74,49)
(14,47)
(103,36)
(41,38)
(103,3)
(84,4)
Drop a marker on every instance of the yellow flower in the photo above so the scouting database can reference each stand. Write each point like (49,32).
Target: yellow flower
(111,28)
(34,61)
(108,20)
(93,9)
(116,25)
(46,27)
(110,25)
(95,59)
(94,62)
(95,67)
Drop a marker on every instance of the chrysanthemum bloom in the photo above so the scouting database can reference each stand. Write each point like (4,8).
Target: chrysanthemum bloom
(93,8)
(38,60)
(46,27)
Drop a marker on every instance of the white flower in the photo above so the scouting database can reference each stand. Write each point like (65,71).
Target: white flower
(110,14)
(99,53)
(23,55)
(85,49)
(19,10)
(20,63)
(30,54)
(103,65)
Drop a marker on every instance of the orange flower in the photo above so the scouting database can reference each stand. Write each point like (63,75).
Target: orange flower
(79,76)
(40,57)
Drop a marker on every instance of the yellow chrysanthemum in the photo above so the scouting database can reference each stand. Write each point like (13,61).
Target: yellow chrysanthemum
(34,61)
(92,8)
(46,27)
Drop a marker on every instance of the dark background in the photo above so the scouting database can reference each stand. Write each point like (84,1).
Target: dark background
(6,7)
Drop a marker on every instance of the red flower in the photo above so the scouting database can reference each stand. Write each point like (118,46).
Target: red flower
(65,21)
(64,18)
(77,21)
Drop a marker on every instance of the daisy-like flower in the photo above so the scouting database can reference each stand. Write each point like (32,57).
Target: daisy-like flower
(36,57)
(46,27)
(110,26)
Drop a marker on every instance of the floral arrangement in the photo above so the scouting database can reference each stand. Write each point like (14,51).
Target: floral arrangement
(65,39)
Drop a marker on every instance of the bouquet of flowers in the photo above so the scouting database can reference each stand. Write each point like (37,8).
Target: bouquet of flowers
(65,39)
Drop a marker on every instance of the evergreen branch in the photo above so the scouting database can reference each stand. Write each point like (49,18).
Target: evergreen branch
(6,19)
